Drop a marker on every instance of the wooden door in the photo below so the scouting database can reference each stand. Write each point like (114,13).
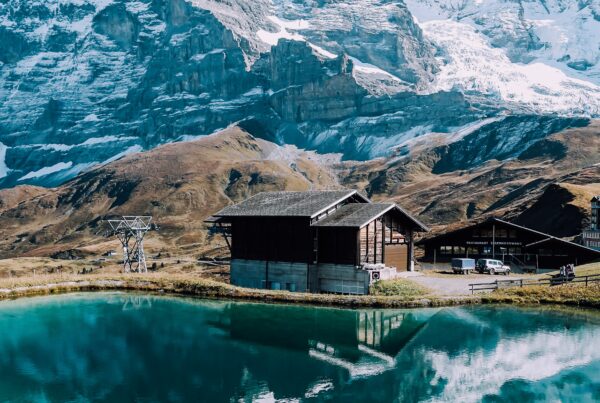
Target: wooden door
(396,255)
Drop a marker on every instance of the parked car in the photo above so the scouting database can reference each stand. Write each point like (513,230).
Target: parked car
(463,265)
(492,266)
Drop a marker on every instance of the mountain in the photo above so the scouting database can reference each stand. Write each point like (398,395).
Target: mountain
(85,82)
(546,187)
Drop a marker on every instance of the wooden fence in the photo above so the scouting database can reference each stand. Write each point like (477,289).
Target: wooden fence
(529,282)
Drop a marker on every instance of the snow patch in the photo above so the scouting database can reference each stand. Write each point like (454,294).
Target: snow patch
(92,117)
(133,149)
(3,168)
(291,25)
(285,26)
(375,80)
(272,38)
(322,51)
(47,170)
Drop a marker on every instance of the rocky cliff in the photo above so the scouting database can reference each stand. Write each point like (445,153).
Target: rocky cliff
(86,82)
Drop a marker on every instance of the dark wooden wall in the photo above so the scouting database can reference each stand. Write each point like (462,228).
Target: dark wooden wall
(285,239)
(337,245)
(551,254)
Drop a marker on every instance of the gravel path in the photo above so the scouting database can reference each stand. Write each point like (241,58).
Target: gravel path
(456,284)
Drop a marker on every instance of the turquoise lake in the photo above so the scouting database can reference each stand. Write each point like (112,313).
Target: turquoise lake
(118,347)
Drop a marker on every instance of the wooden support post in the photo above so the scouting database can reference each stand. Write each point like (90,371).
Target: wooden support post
(409,233)
(494,241)
(375,241)
(383,240)
(367,244)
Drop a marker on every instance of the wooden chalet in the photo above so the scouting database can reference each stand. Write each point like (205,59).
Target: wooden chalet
(518,246)
(317,241)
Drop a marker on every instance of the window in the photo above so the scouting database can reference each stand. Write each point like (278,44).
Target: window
(501,233)
(471,250)
(459,250)
(487,250)
(545,252)
(446,250)
(476,233)
(512,233)
(514,251)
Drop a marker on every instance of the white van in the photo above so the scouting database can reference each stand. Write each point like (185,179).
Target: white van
(492,266)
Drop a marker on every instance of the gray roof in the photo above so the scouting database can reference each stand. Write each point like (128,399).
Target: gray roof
(545,237)
(288,204)
(357,215)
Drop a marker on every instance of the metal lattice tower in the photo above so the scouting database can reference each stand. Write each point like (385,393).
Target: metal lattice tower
(130,230)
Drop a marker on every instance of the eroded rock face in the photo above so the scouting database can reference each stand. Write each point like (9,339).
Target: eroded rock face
(118,24)
(85,82)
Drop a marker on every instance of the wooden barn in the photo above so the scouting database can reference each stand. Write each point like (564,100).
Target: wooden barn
(520,247)
(317,241)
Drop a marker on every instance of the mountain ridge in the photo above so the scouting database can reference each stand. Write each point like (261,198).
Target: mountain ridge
(84,83)
(181,184)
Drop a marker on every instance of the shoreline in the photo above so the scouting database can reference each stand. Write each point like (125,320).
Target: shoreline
(180,285)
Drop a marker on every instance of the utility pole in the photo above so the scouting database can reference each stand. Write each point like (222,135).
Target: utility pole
(130,230)
(494,241)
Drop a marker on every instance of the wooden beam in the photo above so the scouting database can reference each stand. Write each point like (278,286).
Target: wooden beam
(367,245)
(383,241)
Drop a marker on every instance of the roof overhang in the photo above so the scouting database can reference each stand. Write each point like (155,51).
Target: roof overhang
(351,193)
(385,208)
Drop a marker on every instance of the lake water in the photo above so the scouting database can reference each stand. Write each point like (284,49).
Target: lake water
(126,347)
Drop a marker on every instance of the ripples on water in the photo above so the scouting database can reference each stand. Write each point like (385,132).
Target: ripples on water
(121,347)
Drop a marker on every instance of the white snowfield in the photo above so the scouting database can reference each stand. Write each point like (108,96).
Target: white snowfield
(541,56)
(472,65)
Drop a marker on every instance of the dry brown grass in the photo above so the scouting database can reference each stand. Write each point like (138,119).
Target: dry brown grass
(568,294)
(186,277)
(192,285)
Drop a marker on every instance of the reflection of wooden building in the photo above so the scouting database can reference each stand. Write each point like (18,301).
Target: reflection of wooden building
(318,241)
(364,342)
(517,245)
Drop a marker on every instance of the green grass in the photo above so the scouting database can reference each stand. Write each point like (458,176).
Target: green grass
(567,294)
(399,288)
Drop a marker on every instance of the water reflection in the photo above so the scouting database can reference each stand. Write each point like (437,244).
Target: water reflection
(121,347)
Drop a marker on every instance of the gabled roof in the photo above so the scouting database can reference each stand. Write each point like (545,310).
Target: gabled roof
(358,215)
(290,204)
(543,236)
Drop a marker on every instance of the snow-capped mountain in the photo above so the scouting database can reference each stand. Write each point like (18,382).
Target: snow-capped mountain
(544,55)
(83,82)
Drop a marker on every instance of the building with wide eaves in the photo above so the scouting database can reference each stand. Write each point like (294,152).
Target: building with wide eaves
(317,241)
(520,247)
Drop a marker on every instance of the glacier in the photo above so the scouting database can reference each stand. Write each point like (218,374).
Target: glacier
(84,82)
